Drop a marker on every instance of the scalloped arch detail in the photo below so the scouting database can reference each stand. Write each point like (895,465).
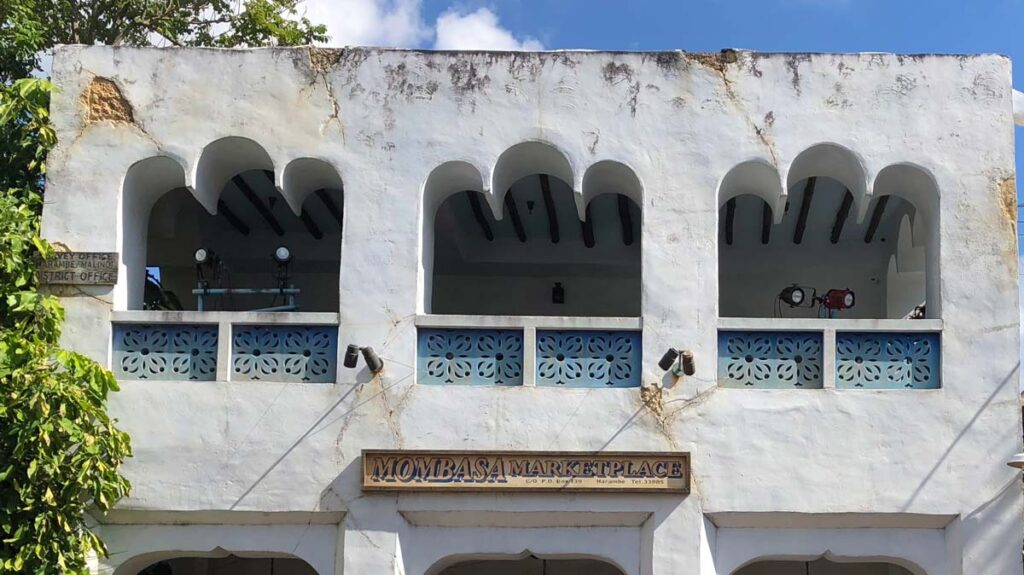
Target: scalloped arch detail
(223,159)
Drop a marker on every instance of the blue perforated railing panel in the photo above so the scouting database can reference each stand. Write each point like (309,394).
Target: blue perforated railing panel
(588,358)
(301,353)
(770,359)
(470,357)
(165,351)
(872,360)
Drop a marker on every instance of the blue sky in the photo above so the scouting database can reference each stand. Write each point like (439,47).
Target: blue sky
(909,26)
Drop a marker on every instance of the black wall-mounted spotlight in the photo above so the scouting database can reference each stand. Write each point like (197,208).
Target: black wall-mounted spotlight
(796,296)
(351,356)
(558,293)
(374,363)
(678,362)
(669,359)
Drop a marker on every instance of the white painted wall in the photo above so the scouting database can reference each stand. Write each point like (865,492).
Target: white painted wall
(386,120)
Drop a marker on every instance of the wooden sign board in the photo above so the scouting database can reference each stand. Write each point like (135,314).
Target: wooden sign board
(79,268)
(645,472)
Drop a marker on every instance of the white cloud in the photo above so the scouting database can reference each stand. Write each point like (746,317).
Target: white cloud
(389,23)
(478,30)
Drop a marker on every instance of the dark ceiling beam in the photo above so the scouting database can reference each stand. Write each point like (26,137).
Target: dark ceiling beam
(766,224)
(328,202)
(513,213)
(236,222)
(264,212)
(730,215)
(549,207)
(626,219)
(310,223)
(841,217)
(876,218)
(587,226)
(805,208)
(478,214)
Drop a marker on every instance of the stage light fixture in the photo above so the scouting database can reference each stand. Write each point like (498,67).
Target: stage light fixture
(201,256)
(282,255)
(794,296)
(839,299)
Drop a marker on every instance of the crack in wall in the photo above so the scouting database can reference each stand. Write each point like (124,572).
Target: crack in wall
(652,398)
(720,63)
(322,61)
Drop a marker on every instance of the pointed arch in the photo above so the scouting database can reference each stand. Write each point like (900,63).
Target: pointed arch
(799,564)
(217,560)
(482,563)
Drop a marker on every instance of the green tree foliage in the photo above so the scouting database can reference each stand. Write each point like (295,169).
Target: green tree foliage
(60,453)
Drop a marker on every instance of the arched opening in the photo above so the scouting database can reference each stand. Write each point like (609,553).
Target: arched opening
(822,566)
(833,251)
(223,565)
(165,224)
(546,253)
(531,565)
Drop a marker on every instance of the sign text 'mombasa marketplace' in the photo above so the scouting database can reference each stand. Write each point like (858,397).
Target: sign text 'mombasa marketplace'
(452,471)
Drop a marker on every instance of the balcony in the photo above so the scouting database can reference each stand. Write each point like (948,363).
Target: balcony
(225,346)
(837,354)
(528,351)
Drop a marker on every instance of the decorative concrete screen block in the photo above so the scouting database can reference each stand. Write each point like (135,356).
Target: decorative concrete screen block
(769,359)
(165,351)
(887,360)
(470,357)
(284,353)
(588,358)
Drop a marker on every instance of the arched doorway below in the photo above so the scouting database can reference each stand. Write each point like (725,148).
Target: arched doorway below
(230,565)
(531,565)
(821,567)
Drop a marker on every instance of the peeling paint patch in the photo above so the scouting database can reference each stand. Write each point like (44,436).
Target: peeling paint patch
(323,60)
(1008,199)
(651,396)
(716,61)
(102,101)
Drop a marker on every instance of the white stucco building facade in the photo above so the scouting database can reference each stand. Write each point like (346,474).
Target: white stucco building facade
(520,237)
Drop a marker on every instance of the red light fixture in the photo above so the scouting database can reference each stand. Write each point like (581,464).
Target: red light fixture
(838,299)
